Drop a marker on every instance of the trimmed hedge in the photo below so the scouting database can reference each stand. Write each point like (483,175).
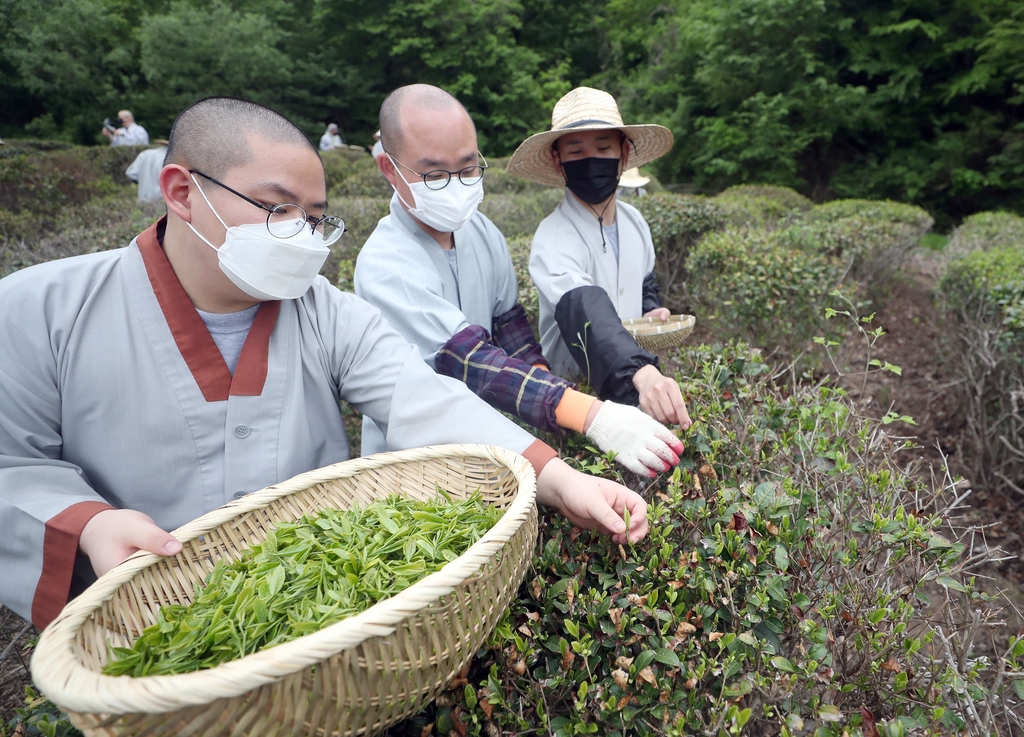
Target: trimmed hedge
(985,230)
(677,223)
(519,214)
(766,287)
(763,206)
(781,589)
(983,295)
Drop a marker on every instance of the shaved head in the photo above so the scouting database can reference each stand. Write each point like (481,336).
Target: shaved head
(206,135)
(404,99)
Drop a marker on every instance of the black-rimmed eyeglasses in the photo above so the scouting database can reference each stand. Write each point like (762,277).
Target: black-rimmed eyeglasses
(439,178)
(287,220)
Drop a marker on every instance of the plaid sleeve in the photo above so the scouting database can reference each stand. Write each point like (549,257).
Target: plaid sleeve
(513,334)
(506,383)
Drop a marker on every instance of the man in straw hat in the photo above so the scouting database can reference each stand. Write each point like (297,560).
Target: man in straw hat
(592,259)
(145,386)
(632,183)
(441,273)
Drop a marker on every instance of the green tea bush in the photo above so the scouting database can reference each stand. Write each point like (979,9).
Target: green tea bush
(796,580)
(878,210)
(983,296)
(985,230)
(339,164)
(761,205)
(519,248)
(677,223)
(497,180)
(766,287)
(520,214)
(361,215)
(362,179)
(102,223)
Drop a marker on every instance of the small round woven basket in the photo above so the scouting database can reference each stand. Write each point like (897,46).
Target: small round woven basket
(355,677)
(658,335)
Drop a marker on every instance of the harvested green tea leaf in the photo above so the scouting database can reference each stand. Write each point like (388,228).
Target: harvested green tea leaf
(306,575)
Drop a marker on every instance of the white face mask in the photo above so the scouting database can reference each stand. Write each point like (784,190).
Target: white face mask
(266,267)
(447,209)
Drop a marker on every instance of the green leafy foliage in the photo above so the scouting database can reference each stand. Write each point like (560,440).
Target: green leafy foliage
(305,576)
(983,295)
(761,206)
(986,230)
(767,287)
(677,223)
(758,602)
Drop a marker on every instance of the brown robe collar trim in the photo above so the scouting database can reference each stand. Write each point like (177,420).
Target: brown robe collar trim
(193,338)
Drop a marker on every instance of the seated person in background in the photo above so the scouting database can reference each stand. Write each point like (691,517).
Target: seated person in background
(145,170)
(145,386)
(592,259)
(441,274)
(129,134)
(330,140)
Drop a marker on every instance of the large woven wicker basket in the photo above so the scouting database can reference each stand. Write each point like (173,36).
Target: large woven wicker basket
(352,678)
(659,335)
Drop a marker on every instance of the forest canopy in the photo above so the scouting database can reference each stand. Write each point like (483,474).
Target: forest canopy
(914,100)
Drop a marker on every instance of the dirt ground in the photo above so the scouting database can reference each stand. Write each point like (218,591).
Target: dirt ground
(913,333)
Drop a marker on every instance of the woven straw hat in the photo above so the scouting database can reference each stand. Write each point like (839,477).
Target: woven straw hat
(632,179)
(585,108)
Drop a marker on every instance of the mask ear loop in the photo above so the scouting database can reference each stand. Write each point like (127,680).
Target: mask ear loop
(397,194)
(214,211)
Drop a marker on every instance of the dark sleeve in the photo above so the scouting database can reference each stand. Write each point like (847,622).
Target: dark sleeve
(505,383)
(604,350)
(513,334)
(652,296)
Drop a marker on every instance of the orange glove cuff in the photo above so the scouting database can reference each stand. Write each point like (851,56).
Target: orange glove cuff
(571,412)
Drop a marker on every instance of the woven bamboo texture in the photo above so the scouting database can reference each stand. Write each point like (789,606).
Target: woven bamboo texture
(355,677)
(660,335)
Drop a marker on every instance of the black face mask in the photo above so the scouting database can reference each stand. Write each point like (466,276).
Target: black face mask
(593,179)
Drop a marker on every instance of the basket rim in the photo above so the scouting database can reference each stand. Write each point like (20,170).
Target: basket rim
(60,675)
(650,326)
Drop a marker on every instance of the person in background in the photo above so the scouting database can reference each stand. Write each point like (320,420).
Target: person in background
(441,274)
(378,149)
(145,171)
(129,133)
(330,140)
(592,259)
(632,183)
(144,386)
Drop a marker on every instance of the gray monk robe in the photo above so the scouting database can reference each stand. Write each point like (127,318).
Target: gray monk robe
(567,253)
(114,394)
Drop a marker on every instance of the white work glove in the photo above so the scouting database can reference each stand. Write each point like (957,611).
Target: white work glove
(641,443)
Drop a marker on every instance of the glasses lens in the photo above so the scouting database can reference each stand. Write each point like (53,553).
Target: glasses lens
(285,221)
(471,175)
(437,179)
(331,228)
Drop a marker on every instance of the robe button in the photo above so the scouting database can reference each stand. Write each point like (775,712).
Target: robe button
(242,431)
(239,494)
(622,291)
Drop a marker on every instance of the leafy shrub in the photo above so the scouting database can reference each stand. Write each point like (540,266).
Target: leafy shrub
(677,222)
(520,214)
(872,251)
(362,180)
(983,295)
(985,230)
(876,210)
(519,248)
(100,224)
(361,215)
(767,287)
(497,180)
(781,590)
(340,164)
(43,183)
(761,205)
